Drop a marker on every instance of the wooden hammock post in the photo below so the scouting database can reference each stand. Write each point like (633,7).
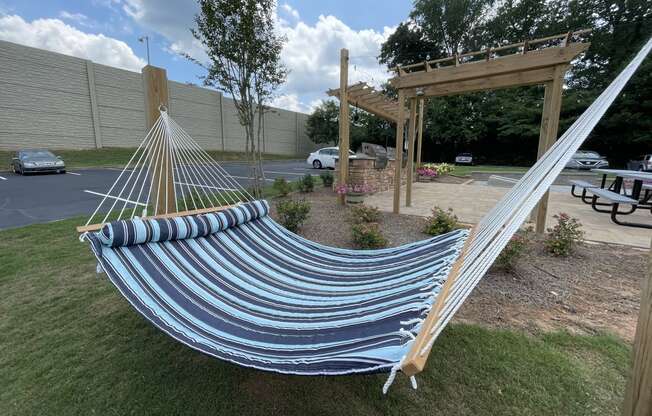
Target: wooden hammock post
(548,133)
(156,95)
(638,396)
(415,361)
(398,160)
(343,174)
(420,133)
(410,157)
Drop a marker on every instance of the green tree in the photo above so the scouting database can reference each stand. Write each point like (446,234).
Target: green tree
(322,125)
(244,53)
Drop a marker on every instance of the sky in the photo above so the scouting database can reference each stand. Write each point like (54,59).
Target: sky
(107,32)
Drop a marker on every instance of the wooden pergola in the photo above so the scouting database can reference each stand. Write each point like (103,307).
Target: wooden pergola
(534,62)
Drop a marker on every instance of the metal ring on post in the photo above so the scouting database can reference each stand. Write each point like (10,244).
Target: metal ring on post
(162,108)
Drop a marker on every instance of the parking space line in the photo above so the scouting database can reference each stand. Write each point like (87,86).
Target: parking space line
(115,197)
(246,177)
(206,186)
(3,178)
(74,173)
(283,173)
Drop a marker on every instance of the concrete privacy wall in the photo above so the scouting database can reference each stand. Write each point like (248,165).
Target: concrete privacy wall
(62,102)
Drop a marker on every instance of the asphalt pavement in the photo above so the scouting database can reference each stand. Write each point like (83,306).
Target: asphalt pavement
(44,198)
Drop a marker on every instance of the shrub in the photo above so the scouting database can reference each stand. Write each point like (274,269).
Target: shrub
(514,250)
(564,236)
(292,214)
(282,186)
(441,222)
(327,179)
(368,236)
(363,213)
(306,184)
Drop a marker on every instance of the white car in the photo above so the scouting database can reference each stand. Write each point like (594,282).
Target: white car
(464,159)
(325,158)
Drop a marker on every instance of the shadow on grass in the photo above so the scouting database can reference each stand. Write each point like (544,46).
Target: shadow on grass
(71,345)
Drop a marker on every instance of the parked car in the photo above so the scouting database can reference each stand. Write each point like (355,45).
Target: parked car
(464,159)
(642,163)
(587,159)
(325,158)
(36,160)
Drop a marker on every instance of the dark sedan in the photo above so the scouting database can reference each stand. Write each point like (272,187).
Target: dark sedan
(36,160)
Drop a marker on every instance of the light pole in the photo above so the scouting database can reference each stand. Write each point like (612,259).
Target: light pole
(146,40)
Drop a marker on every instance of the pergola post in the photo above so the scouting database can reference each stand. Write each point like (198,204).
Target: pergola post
(343,174)
(548,133)
(410,155)
(420,132)
(156,95)
(638,396)
(399,151)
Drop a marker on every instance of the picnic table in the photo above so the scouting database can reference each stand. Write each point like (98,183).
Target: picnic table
(616,195)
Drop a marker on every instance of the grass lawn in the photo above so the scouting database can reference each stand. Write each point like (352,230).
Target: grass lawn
(119,156)
(71,344)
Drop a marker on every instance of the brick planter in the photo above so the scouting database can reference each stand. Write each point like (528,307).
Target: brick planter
(362,171)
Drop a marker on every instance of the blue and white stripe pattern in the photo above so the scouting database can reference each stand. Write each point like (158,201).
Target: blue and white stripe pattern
(238,286)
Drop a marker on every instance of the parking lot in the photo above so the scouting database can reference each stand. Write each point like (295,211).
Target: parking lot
(43,198)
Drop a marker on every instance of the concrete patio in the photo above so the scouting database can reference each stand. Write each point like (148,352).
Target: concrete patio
(470,203)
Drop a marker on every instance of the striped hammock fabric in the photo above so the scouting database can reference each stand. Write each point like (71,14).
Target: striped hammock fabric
(237,286)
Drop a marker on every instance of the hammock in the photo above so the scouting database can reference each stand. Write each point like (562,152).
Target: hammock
(212,270)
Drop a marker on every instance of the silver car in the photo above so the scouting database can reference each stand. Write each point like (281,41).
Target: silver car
(587,159)
(36,160)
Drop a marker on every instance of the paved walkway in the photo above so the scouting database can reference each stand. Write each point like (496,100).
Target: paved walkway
(471,202)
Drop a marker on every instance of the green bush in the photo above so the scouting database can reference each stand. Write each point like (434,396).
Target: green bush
(327,179)
(564,236)
(282,187)
(514,250)
(306,184)
(363,213)
(292,214)
(441,222)
(368,236)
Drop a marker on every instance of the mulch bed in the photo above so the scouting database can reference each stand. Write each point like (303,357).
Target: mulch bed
(596,289)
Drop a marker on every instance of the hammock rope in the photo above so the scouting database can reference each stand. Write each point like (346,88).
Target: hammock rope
(238,286)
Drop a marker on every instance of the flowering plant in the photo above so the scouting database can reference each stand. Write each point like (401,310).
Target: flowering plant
(424,171)
(440,168)
(353,189)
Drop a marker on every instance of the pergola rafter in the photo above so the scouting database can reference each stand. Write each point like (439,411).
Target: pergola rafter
(369,99)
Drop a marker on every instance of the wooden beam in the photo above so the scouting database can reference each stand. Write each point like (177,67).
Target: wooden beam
(410,161)
(548,133)
(420,132)
(343,160)
(399,153)
(162,177)
(415,361)
(638,396)
(532,77)
(482,69)
(97,227)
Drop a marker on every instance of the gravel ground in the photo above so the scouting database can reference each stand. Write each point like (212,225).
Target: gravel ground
(596,289)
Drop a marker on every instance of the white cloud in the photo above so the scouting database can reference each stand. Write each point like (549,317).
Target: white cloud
(75,17)
(291,11)
(288,102)
(55,35)
(311,53)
